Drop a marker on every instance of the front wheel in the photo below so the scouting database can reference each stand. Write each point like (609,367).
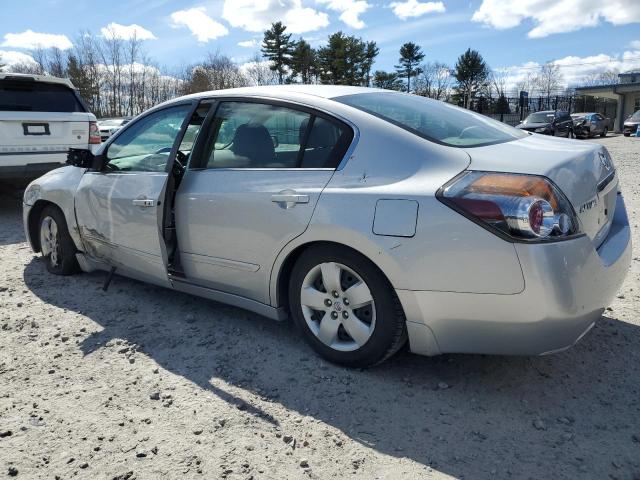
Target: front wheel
(604,132)
(345,307)
(56,245)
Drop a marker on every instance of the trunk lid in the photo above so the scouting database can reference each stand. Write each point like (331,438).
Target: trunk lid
(583,171)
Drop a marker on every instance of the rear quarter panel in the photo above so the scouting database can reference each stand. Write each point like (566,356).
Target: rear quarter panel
(447,253)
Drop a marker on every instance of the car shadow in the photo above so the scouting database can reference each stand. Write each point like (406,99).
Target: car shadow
(573,414)
(10,214)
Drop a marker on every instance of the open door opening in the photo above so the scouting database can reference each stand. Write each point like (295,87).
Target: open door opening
(178,169)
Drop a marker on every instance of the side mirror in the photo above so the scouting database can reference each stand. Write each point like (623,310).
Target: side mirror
(83,158)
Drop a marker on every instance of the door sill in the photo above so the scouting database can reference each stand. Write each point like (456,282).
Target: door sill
(184,285)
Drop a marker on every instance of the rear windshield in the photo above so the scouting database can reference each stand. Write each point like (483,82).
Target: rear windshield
(540,117)
(31,96)
(434,120)
(636,116)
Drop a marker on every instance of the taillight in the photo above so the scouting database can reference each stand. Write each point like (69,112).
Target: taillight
(519,207)
(94,134)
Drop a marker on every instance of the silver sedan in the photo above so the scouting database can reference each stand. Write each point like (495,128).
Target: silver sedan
(368,217)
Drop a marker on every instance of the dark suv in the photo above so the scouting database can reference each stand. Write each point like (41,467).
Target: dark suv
(556,123)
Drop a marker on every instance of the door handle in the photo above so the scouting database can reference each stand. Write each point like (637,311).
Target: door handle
(144,202)
(289,198)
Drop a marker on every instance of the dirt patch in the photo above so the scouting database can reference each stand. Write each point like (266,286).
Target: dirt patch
(146,383)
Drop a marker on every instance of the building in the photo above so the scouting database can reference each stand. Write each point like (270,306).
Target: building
(626,92)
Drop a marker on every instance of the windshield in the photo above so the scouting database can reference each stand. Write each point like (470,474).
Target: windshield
(434,120)
(540,118)
(636,116)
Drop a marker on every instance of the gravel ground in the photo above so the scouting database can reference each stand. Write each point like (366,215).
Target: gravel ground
(146,383)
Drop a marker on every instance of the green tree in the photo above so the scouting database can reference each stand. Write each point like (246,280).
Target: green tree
(502,104)
(303,62)
(387,80)
(277,47)
(371,51)
(471,73)
(408,65)
(345,61)
(80,78)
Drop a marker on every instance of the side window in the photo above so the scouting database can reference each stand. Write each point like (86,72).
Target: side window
(326,144)
(193,128)
(146,144)
(257,135)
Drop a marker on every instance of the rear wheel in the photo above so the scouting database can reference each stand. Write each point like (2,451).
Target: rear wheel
(56,245)
(345,308)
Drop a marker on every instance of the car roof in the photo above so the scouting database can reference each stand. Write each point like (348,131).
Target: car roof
(281,92)
(37,78)
(584,113)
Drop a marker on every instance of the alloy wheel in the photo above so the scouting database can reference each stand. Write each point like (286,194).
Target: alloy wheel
(338,306)
(50,240)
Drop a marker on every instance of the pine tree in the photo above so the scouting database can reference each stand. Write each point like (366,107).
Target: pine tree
(346,60)
(277,47)
(472,74)
(387,80)
(303,62)
(410,57)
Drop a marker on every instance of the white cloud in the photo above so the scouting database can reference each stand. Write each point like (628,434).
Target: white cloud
(556,16)
(201,25)
(413,8)
(31,40)
(635,44)
(126,32)
(257,15)
(248,43)
(10,58)
(575,70)
(351,10)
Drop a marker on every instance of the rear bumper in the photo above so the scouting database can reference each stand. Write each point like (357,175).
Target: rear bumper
(30,165)
(568,285)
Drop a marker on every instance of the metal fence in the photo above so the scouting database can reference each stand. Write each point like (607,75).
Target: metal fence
(508,109)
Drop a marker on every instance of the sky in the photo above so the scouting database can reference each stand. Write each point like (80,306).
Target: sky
(516,36)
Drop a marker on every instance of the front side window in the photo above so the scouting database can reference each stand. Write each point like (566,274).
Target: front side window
(259,135)
(145,145)
(434,120)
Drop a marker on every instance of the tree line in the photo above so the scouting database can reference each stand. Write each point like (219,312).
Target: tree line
(116,77)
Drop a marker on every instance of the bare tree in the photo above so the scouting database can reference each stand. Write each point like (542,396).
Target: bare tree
(434,81)
(258,71)
(549,79)
(608,77)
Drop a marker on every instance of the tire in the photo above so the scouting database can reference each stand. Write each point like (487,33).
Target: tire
(354,337)
(570,133)
(604,132)
(56,245)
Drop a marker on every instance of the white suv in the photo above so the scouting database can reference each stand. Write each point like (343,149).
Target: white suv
(41,117)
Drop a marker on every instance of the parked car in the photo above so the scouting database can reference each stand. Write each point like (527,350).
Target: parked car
(109,126)
(631,124)
(367,216)
(555,123)
(587,125)
(41,117)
